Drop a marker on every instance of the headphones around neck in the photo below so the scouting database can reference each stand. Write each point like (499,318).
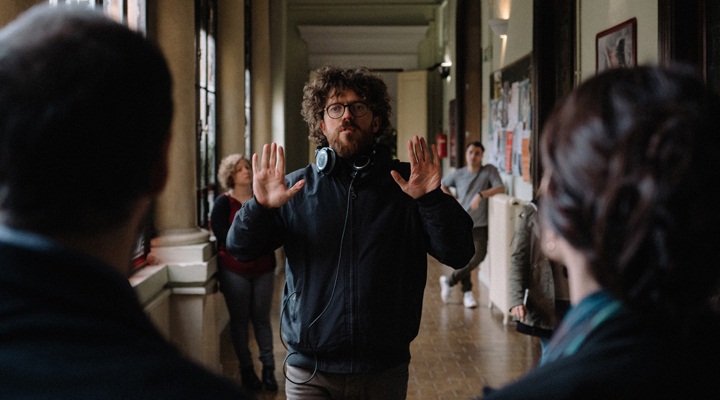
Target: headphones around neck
(326,161)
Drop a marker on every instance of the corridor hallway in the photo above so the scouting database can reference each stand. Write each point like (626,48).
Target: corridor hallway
(456,353)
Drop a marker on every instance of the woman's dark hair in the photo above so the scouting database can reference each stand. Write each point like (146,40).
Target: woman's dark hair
(630,158)
(367,85)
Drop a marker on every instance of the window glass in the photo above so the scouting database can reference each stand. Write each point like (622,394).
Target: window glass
(206,126)
(129,12)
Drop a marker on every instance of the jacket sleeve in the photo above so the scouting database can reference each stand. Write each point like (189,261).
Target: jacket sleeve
(255,231)
(448,228)
(520,259)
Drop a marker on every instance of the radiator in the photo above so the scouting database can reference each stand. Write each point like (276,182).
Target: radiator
(503,210)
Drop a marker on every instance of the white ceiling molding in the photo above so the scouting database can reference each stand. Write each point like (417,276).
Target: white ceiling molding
(376,47)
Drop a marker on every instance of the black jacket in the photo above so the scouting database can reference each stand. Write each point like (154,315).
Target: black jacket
(626,359)
(72,328)
(357,262)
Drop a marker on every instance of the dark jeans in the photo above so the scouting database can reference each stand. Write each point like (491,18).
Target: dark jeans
(249,299)
(480,238)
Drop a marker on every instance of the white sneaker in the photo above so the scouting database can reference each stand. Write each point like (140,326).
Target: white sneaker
(469,300)
(444,289)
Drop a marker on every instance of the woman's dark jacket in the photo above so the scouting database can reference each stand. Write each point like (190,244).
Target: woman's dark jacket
(353,294)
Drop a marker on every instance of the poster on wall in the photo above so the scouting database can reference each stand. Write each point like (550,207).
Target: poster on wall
(616,47)
(510,119)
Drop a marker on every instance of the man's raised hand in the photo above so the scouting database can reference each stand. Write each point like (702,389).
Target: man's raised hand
(425,171)
(269,186)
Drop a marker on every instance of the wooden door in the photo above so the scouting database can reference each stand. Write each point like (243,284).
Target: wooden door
(412,109)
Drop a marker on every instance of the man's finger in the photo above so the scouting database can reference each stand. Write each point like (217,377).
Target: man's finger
(273,156)
(411,153)
(436,154)
(422,149)
(255,166)
(398,178)
(280,159)
(265,159)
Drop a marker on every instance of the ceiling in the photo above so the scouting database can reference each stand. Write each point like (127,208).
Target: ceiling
(382,47)
(380,34)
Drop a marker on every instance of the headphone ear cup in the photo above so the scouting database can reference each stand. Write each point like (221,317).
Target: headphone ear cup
(325,160)
(361,166)
(362,162)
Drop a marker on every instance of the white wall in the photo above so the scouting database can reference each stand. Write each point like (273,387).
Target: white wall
(499,53)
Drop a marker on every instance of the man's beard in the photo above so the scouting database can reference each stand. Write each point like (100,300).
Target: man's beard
(353,145)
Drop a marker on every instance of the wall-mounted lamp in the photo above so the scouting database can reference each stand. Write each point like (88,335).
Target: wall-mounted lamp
(443,68)
(499,26)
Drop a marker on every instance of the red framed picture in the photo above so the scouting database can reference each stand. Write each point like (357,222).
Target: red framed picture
(617,47)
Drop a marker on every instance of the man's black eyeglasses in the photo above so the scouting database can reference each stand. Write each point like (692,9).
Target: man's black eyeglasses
(337,110)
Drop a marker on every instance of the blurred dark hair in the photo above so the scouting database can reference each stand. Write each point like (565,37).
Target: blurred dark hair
(630,158)
(85,111)
(366,84)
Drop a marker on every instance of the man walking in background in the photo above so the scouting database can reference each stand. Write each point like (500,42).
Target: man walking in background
(473,185)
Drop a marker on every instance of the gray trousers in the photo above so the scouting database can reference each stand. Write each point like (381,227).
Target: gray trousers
(480,239)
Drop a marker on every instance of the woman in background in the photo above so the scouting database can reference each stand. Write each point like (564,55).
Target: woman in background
(630,159)
(246,286)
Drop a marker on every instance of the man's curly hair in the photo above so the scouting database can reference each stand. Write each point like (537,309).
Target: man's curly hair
(366,84)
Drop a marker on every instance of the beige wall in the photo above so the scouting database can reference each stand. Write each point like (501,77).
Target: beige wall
(520,32)
(261,79)
(598,15)
(231,77)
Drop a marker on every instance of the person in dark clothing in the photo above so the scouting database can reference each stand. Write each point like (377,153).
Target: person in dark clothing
(627,160)
(357,227)
(85,112)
